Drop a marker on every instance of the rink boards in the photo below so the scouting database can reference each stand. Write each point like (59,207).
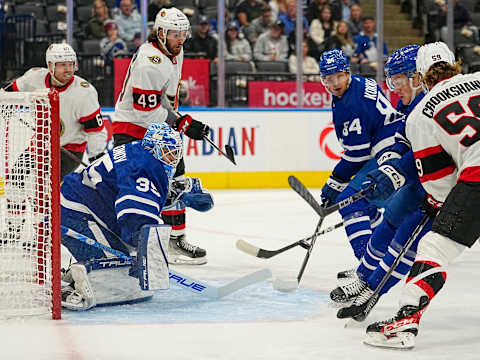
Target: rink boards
(269,145)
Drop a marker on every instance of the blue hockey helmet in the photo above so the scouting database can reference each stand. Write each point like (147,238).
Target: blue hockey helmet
(402,61)
(333,61)
(165,144)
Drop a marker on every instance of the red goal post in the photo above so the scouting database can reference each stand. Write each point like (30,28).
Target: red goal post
(30,204)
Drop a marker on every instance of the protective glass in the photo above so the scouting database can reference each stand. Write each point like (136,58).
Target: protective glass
(394,83)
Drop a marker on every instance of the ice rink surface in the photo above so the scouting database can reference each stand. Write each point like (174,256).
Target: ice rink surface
(256,322)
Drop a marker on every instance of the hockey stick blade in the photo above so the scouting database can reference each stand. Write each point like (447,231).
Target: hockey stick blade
(253,250)
(229,151)
(244,281)
(306,195)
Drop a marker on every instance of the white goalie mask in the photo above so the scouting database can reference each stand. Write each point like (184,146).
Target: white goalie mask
(433,53)
(60,53)
(171,19)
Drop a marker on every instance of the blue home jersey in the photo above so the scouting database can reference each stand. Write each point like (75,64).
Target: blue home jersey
(123,190)
(365,124)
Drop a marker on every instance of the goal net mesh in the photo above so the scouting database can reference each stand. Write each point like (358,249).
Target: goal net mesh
(26,244)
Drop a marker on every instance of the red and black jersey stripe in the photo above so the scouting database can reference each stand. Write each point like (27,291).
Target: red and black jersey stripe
(93,122)
(146,100)
(434,163)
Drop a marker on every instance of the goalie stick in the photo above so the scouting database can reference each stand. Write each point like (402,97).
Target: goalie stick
(197,286)
(253,250)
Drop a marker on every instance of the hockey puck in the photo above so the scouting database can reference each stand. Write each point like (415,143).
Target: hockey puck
(285,285)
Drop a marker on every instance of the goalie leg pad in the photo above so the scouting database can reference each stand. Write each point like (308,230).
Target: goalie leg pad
(152,257)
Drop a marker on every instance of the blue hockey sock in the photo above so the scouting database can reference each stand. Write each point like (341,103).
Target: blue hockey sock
(358,232)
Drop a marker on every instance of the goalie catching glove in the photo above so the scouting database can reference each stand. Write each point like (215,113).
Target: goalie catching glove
(384,181)
(190,193)
(194,129)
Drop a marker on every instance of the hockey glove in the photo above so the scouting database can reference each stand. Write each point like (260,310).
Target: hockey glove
(197,198)
(332,188)
(194,129)
(386,179)
(430,206)
(176,189)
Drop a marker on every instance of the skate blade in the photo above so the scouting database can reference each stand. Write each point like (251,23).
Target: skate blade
(402,341)
(182,260)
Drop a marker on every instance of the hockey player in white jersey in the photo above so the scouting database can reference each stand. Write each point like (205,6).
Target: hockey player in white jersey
(444,129)
(112,202)
(150,93)
(80,120)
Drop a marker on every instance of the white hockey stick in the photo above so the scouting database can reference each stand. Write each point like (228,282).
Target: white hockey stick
(197,286)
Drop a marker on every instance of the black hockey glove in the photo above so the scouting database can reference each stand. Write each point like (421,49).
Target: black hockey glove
(430,206)
(194,129)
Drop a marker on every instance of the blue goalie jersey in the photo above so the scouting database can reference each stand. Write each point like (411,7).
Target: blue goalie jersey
(122,191)
(365,124)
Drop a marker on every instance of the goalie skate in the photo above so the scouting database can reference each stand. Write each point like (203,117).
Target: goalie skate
(400,331)
(181,252)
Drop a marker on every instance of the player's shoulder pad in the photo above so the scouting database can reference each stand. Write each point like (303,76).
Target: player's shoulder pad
(84,86)
(35,71)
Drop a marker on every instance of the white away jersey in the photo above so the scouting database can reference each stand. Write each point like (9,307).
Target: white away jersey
(80,118)
(444,129)
(149,92)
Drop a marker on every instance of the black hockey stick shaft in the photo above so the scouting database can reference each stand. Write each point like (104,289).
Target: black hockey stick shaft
(309,251)
(411,239)
(301,190)
(72,156)
(266,254)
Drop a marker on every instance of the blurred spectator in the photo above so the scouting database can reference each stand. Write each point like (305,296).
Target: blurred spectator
(341,9)
(135,5)
(322,27)
(236,48)
(309,64)
(461,21)
(313,10)
(135,44)
(202,42)
(272,45)
(112,45)
(313,49)
(155,6)
(213,30)
(129,21)
(248,10)
(366,42)
(355,21)
(259,25)
(341,39)
(95,28)
(289,19)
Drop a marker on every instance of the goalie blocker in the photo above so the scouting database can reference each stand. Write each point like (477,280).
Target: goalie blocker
(116,281)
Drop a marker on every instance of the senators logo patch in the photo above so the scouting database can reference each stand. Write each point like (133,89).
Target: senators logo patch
(155,59)
(84,84)
(163,13)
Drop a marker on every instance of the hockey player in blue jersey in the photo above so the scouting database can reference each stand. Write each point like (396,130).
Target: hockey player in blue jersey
(366,125)
(113,198)
(402,210)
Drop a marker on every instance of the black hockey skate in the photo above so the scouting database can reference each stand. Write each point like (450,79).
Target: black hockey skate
(181,252)
(348,292)
(361,306)
(400,331)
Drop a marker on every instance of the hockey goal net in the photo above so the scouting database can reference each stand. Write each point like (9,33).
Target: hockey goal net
(29,204)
